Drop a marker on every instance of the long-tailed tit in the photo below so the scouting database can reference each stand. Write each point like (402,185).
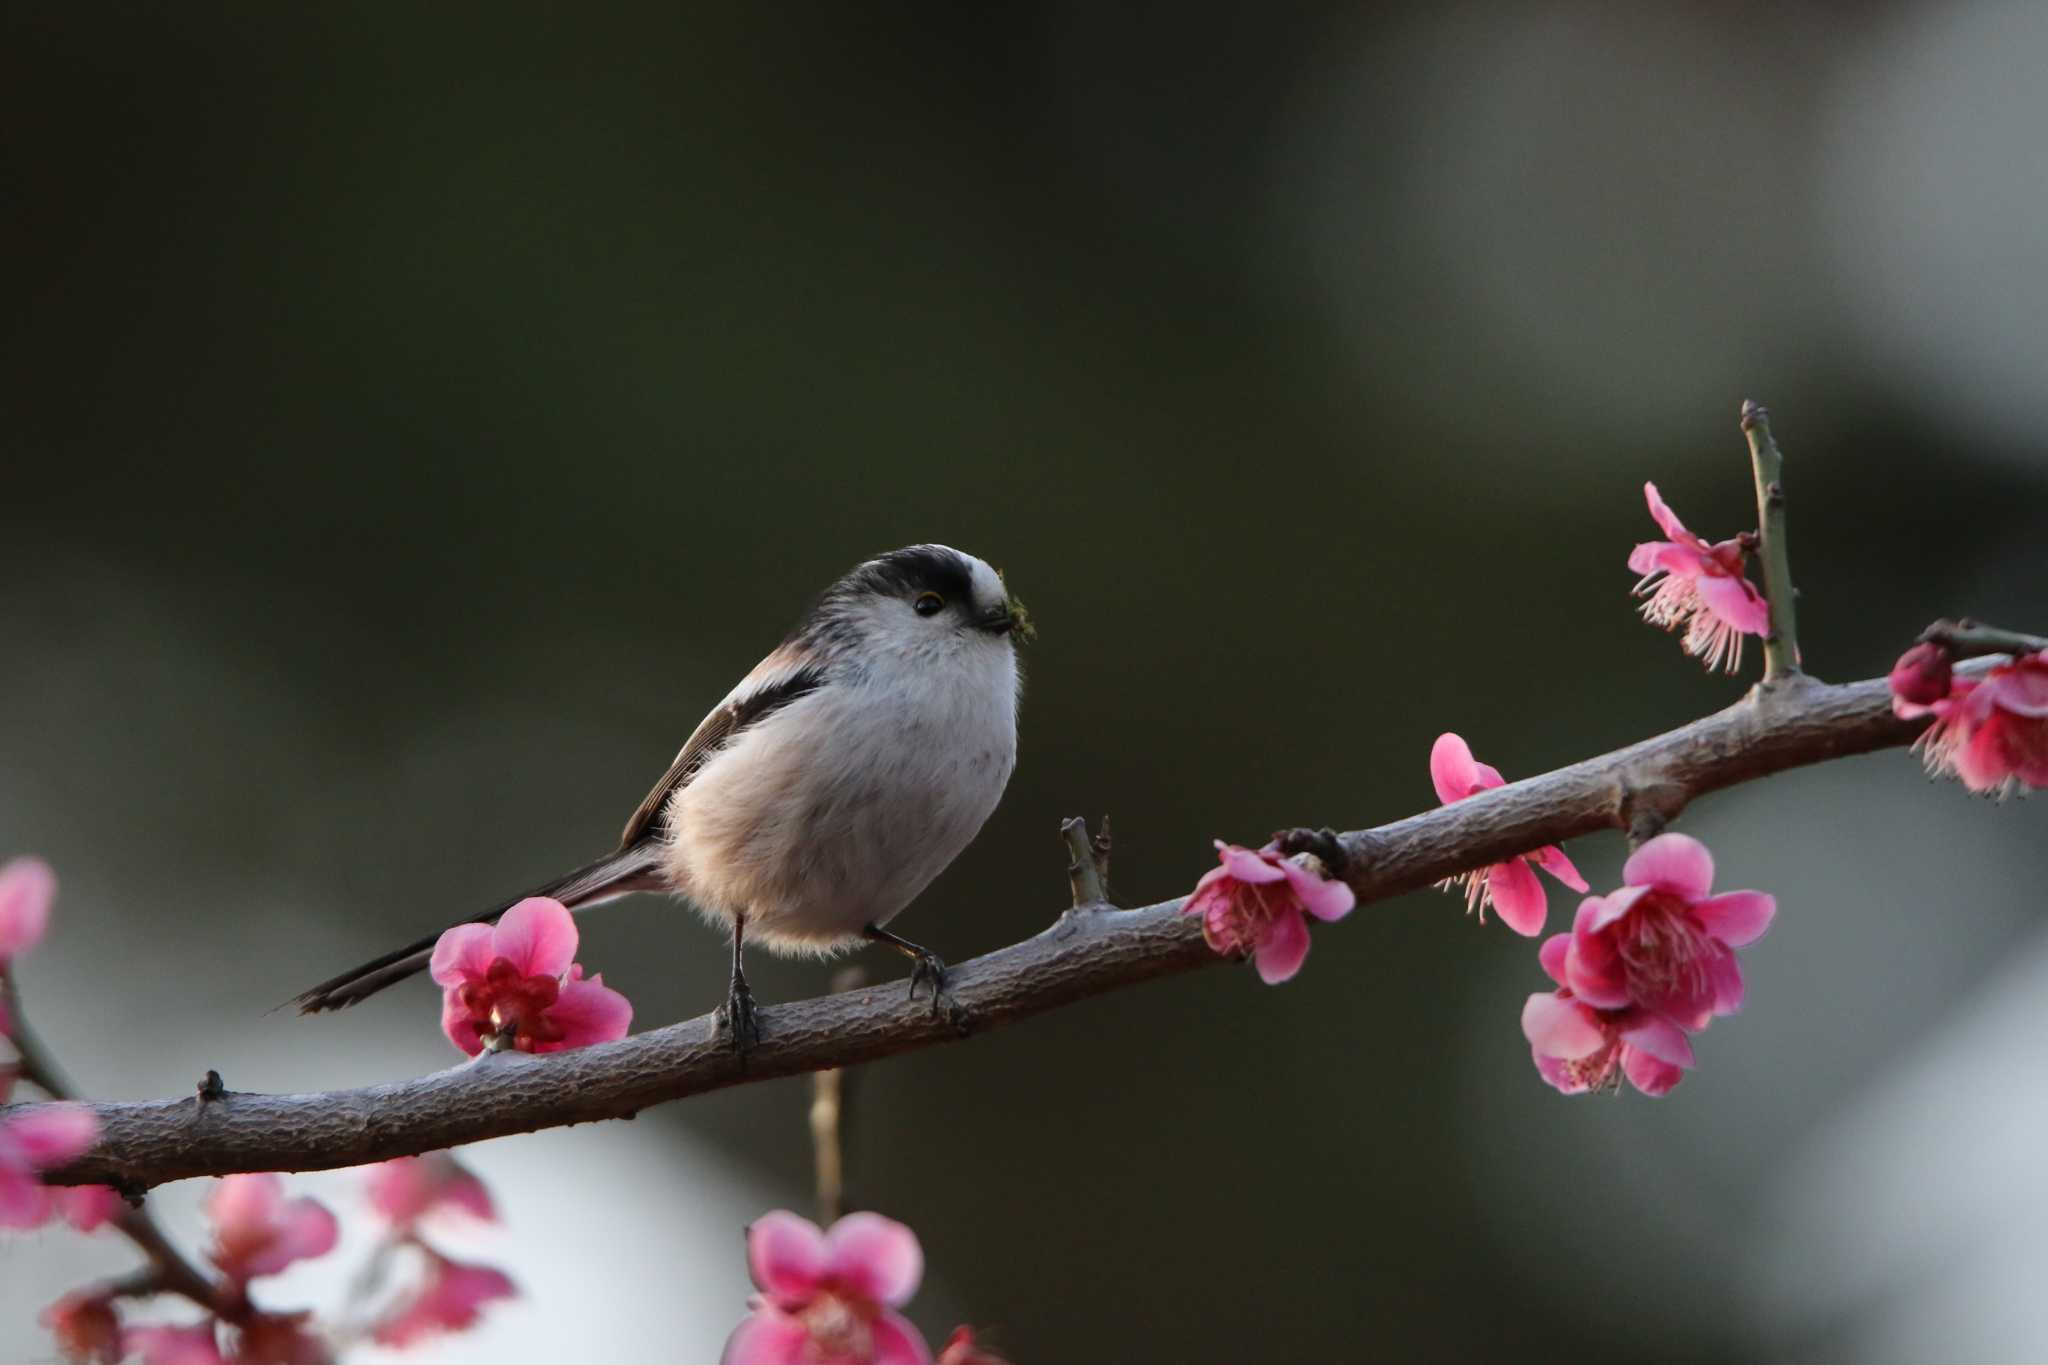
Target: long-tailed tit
(829,788)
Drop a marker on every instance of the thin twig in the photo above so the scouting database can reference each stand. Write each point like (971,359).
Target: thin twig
(1087,863)
(828,1117)
(1781,646)
(1969,639)
(142,1145)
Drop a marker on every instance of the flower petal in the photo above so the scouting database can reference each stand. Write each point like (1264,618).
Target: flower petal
(1551,957)
(462,952)
(538,936)
(1552,860)
(876,1256)
(1452,769)
(1658,1036)
(27,887)
(1652,1076)
(459,1022)
(1736,601)
(1561,1028)
(1324,897)
(304,1229)
(1737,918)
(1677,863)
(88,1207)
(1282,948)
(1248,864)
(1661,556)
(1725,975)
(587,1012)
(787,1255)
(52,1134)
(1518,897)
(24,1202)
(767,1337)
(1666,519)
(897,1342)
(1594,973)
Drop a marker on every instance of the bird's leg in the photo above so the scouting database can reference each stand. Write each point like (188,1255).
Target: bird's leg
(737,1014)
(924,964)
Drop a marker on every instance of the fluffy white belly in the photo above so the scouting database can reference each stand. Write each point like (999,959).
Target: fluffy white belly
(836,811)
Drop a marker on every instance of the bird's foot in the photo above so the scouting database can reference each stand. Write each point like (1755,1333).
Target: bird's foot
(926,966)
(738,1019)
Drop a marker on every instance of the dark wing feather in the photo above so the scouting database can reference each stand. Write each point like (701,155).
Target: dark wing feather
(775,682)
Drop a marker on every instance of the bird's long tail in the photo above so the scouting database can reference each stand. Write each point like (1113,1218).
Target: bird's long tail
(615,874)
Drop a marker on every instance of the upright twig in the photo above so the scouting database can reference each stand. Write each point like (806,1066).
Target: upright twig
(1781,646)
(1087,863)
(828,1119)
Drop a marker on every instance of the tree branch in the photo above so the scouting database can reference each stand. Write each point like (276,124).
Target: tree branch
(1796,722)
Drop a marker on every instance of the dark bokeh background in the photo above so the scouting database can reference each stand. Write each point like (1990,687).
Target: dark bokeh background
(416,418)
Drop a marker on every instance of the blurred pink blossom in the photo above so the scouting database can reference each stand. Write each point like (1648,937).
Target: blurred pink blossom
(1579,1049)
(86,1328)
(450,1299)
(27,887)
(1510,887)
(1989,732)
(257,1231)
(515,979)
(44,1137)
(1699,586)
(193,1345)
(279,1339)
(830,1298)
(87,1207)
(1663,944)
(1255,903)
(407,1188)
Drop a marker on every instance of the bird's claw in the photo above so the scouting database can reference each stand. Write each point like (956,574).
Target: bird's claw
(739,1020)
(928,967)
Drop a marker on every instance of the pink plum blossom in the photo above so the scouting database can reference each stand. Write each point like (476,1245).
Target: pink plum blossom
(1699,586)
(85,1327)
(195,1345)
(27,886)
(1989,732)
(41,1139)
(1578,1048)
(1661,943)
(1510,887)
(1922,675)
(1255,903)
(407,1188)
(451,1298)
(257,1231)
(514,981)
(830,1298)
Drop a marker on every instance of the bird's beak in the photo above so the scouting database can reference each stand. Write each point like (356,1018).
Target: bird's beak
(1008,619)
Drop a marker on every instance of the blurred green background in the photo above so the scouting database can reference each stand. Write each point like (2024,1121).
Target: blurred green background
(417,417)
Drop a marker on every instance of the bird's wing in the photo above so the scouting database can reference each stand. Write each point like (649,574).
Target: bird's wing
(776,681)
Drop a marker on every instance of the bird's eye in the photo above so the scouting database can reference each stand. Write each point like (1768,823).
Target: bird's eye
(928,604)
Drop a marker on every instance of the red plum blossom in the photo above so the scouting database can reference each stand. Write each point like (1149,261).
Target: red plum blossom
(515,982)
(450,1299)
(408,1188)
(1991,732)
(257,1231)
(1579,1049)
(1662,943)
(1510,887)
(1256,903)
(1698,586)
(38,1140)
